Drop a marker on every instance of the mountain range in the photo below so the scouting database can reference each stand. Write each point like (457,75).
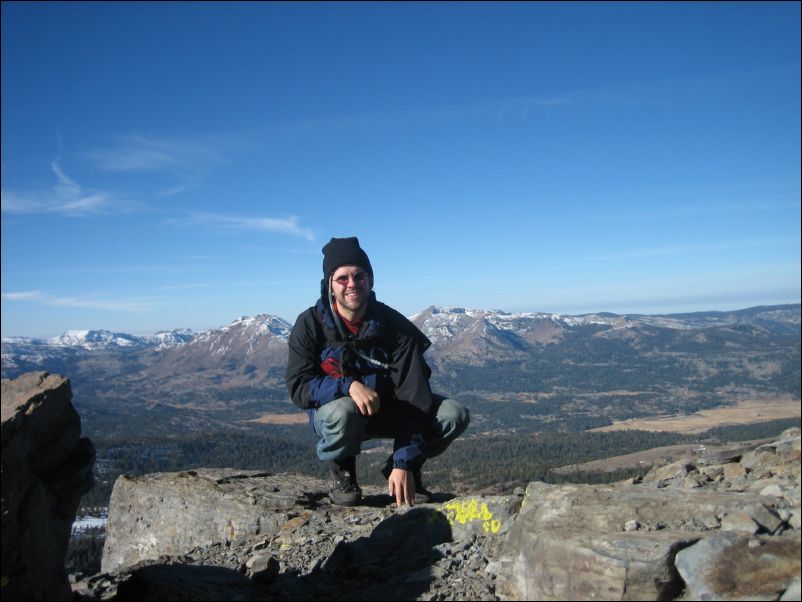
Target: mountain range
(598,366)
(445,326)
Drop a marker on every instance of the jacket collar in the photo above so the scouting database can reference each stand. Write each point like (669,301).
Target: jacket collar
(371,324)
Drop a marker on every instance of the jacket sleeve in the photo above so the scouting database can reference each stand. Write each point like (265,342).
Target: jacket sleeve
(309,386)
(410,374)
(409,370)
(408,445)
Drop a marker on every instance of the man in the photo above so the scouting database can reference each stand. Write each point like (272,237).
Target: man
(357,365)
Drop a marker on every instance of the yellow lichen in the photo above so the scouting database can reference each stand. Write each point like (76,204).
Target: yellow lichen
(467,511)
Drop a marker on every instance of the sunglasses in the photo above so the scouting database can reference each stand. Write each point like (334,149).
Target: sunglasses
(359,278)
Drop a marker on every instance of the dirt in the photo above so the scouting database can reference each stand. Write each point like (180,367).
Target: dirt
(294,418)
(743,412)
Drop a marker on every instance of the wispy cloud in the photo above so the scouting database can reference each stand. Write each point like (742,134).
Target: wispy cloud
(66,197)
(138,153)
(22,296)
(289,226)
(97,302)
(185,160)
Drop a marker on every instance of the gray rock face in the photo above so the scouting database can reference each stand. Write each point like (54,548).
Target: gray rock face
(171,513)
(46,467)
(304,547)
(687,531)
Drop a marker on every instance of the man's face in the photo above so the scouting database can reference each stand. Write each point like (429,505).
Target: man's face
(350,287)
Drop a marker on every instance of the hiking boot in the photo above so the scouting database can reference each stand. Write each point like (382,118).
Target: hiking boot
(344,489)
(422,495)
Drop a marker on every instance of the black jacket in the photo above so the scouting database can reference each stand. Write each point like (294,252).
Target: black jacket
(399,372)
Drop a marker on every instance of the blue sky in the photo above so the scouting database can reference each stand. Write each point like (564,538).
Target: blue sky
(171,165)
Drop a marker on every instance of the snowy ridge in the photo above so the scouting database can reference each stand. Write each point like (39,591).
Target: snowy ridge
(169,338)
(501,317)
(103,339)
(244,333)
(254,328)
(436,322)
(92,339)
(440,323)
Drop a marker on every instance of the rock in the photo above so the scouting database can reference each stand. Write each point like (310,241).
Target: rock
(481,515)
(739,521)
(675,471)
(794,591)
(570,542)
(733,470)
(262,567)
(778,458)
(172,513)
(46,468)
(185,582)
(772,489)
(725,567)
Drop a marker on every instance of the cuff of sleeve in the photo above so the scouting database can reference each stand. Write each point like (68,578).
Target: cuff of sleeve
(345,385)
(408,458)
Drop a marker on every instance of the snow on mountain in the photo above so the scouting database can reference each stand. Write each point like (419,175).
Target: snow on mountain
(94,339)
(60,353)
(244,331)
(253,345)
(242,352)
(244,343)
(169,338)
(441,324)
(252,329)
(261,325)
(103,339)
(473,335)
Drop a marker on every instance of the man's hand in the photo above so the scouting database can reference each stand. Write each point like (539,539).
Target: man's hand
(366,399)
(401,485)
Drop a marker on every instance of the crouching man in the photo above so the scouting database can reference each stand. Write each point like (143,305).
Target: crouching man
(357,366)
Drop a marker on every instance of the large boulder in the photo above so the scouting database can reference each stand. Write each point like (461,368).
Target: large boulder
(171,513)
(46,468)
(695,529)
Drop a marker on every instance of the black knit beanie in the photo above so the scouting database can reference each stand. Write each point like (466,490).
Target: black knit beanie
(344,251)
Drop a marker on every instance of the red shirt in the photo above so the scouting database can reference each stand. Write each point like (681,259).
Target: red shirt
(353,327)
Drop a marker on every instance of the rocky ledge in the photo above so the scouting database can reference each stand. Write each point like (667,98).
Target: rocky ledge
(718,525)
(46,467)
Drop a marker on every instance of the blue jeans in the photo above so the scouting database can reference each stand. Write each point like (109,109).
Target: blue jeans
(341,429)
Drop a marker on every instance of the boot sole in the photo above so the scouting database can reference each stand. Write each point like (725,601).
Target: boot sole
(351,501)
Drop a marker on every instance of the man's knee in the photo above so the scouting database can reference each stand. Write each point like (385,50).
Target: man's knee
(337,416)
(339,427)
(453,417)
